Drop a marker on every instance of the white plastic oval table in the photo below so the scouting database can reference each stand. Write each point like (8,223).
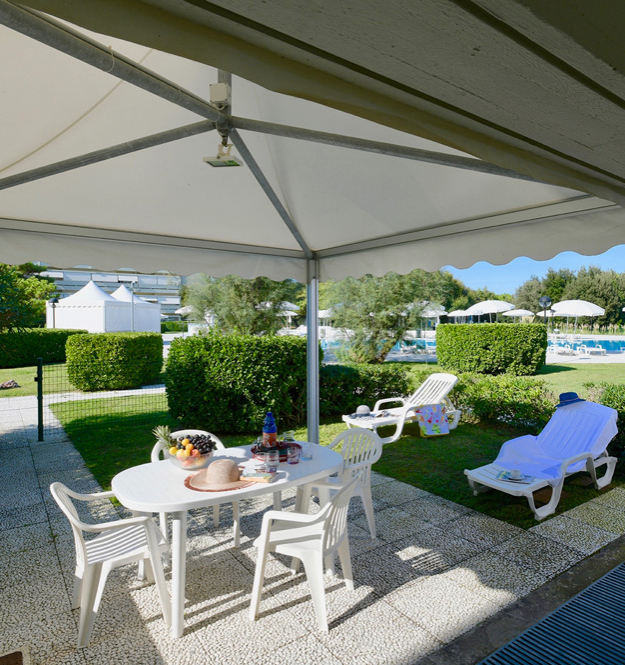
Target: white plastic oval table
(158,487)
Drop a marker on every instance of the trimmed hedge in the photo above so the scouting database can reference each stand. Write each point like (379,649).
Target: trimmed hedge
(21,348)
(343,388)
(226,383)
(114,361)
(518,401)
(613,395)
(174,326)
(492,348)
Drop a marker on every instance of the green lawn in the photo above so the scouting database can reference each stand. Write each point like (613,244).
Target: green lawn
(25,376)
(119,439)
(54,375)
(566,378)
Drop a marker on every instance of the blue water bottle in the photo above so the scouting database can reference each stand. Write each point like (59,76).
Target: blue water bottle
(270,432)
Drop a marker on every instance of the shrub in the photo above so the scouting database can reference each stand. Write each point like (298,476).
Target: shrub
(342,388)
(113,361)
(226,383)
(492,348)
(612,395)
(174,326)
(21,348)
(521,402)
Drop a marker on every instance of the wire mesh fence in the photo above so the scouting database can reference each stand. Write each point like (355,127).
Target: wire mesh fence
(65,408)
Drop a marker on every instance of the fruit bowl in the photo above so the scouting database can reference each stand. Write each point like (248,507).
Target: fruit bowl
(191,452)
(190,463)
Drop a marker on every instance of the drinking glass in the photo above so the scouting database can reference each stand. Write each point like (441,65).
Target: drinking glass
(272,459)
(306,452)
(293,454)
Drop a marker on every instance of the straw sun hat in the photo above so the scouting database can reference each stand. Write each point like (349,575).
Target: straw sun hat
(219,476)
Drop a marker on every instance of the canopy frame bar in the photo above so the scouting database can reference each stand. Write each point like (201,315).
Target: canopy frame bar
(269,191)
(50,228)
(390,149)
(118,150)
(62,38)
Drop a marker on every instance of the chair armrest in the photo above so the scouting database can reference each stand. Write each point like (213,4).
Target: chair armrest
(576,458)
(388,399)
(116,524)
(89,497)
(283,516)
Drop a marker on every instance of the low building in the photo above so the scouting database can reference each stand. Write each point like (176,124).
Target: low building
(161,288)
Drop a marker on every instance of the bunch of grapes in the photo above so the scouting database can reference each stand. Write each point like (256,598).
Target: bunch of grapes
(201,442)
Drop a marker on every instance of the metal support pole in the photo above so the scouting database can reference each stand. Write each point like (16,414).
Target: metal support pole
(132,306)
(39,380)
(312,354)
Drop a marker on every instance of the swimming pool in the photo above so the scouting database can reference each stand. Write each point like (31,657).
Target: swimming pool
(609,344)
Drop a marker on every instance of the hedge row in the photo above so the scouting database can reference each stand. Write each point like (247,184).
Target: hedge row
(343,388)
(174,326)
(114,361)
(226,383)
(492,348)
(613,395)
(21,348)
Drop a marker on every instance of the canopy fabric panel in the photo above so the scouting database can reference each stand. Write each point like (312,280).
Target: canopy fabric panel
(162,208)
(536,87)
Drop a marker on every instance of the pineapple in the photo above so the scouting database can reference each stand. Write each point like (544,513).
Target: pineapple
(163,436)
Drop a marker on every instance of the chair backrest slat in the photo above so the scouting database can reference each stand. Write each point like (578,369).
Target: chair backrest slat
(434,389)
(335,527)
(360,448)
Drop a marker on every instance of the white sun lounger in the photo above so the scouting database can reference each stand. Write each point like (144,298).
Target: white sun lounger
(576,437)
(433,390)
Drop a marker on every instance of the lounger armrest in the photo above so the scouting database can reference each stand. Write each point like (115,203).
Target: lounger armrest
(379,403)
(577,458)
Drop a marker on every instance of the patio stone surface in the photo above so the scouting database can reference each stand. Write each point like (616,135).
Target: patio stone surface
(601,516)
(435,571)
(580,536)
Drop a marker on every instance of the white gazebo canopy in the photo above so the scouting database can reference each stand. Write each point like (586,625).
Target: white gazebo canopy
(377,140)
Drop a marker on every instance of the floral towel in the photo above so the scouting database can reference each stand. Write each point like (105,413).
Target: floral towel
(433,420)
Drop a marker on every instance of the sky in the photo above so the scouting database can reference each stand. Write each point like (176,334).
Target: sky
(507,278)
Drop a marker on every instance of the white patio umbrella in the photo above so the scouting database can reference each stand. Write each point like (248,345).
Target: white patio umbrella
(518,313)
(577,308)
(489,307)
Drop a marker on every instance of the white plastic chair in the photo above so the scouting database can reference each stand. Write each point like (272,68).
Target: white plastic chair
(360,449)
(156,454)
(434,390)
(311,539)
(118,543)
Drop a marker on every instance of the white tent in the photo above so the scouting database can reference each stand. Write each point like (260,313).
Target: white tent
(144,316)
(90,309)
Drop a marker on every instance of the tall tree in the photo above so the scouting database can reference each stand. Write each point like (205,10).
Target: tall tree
(605,288)
(23,296)
(555,282)
(379,310)
(234,304)
(528,294)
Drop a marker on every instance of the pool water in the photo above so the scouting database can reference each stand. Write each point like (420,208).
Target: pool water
(609,344)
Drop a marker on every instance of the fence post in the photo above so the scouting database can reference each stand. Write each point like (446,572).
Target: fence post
(39,379)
